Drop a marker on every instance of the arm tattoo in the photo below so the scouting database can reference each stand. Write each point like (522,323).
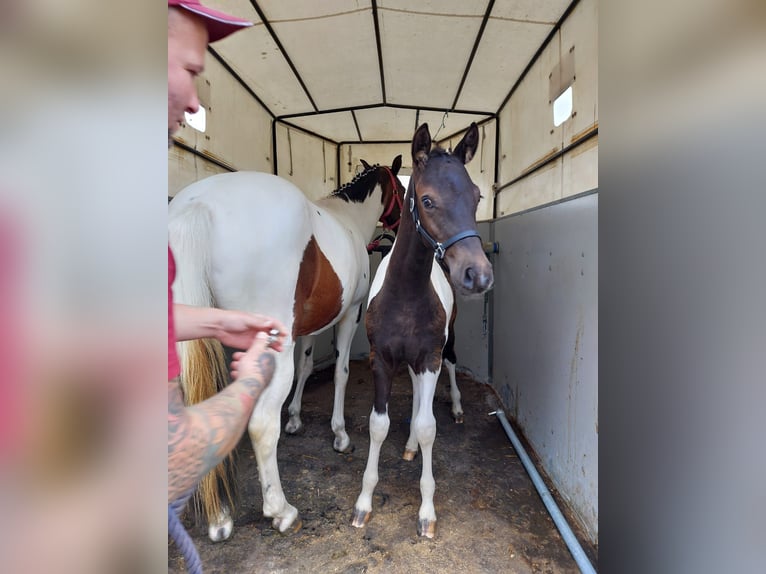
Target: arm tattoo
(200,436)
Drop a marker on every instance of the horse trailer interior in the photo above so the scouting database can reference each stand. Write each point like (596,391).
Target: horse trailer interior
(315,87)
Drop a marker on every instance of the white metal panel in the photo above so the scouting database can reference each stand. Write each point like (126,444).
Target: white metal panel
(580,33)
(256,58)
(238,130)
(302,161)
(530,11)
(383,154)
(441,126)
(425,51)
(185,168)
(533,136)
(580,169)
(337,127)
(506,48)
(386,123)
(541,187)
(336,57)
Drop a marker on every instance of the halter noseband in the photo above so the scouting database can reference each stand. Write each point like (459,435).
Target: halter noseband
(438,247)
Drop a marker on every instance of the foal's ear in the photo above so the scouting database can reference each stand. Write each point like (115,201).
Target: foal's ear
(421,146)
(397,165)
(466,149)
(365,164)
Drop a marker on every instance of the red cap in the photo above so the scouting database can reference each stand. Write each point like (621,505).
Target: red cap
(219,25)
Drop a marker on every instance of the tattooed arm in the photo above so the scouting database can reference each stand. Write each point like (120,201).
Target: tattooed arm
(200,436)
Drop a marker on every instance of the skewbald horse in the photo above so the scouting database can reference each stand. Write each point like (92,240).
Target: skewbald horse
(411,302)
(254,242)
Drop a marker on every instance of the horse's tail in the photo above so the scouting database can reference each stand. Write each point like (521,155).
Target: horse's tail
(204,367)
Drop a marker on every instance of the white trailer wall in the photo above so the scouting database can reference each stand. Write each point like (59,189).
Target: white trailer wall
(527,134)
(306,160)
(544,339)
(237,135)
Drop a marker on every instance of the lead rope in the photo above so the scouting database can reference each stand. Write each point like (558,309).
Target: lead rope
(181,537)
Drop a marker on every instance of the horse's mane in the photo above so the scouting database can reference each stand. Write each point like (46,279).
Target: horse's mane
(359,188)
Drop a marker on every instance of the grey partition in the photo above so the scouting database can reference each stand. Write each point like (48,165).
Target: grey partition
(545,336)
(472,328)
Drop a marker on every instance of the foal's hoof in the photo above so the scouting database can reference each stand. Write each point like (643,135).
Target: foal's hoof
(360,518)
(294,427)
(283,528)
(459,420)
(426,528)
(342,448)
(409,454)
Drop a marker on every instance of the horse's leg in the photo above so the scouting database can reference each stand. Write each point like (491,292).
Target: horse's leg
(425,429)
(264,430)
(379,423)
(305,367)
(411,448)
(346,329)
(450,360)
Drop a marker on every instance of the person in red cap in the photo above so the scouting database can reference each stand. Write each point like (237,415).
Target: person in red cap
(200,436)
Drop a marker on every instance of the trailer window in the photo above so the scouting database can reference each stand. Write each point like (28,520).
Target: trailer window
(197,120)
(562,107)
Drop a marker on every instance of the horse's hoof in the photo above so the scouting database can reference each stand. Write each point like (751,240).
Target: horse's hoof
(426,528)
(459,420)
(294,427)
(409,454)
(287,528)
(342,448)
(221,531)
(360,518)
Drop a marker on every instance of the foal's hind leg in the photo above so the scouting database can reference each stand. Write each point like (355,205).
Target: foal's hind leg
(411,448)
(450,360)
(305,367)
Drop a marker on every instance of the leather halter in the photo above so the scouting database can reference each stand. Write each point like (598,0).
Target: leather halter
(438,247)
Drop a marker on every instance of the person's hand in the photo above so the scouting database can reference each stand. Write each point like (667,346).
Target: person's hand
(257,363)
(238,329)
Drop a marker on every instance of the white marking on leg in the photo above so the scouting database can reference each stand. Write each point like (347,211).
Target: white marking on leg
(345,333)
(454,392)
(379,424)
(425,429)
(264,433)
(220,528)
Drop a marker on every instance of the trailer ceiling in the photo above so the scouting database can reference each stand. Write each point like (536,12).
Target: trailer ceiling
(356,70)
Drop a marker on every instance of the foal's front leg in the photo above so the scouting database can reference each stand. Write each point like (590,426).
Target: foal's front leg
(379,424)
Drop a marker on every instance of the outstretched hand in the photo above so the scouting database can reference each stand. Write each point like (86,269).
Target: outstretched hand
(235,329)
(238,329)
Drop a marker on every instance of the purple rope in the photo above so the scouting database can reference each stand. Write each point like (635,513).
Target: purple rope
(181,537)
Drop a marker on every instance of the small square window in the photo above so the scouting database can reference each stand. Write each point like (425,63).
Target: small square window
(197,120)
(562,107)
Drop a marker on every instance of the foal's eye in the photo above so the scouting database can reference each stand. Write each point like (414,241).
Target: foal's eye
(427,202)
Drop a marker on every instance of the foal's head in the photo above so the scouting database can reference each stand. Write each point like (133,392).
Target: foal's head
(443,201)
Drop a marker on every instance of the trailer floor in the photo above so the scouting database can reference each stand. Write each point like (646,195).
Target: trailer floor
(490,518)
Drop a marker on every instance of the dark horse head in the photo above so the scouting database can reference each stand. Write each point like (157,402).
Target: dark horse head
(393,192)
(443,200)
